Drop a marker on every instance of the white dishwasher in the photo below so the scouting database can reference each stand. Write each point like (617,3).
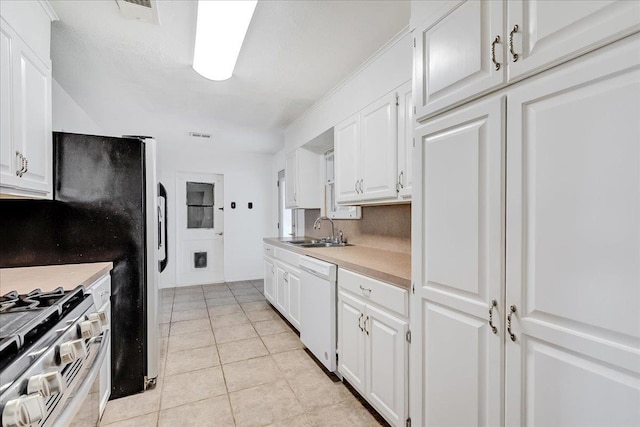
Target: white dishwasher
(318,309)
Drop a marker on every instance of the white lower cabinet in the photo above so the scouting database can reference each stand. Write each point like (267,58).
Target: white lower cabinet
(282,283)
(269,280)
(351,340)
(527,306)
(373,346)
(282,289)
(293,278)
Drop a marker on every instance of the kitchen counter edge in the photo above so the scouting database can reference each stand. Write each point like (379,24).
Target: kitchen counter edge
(347,258)
(50,277)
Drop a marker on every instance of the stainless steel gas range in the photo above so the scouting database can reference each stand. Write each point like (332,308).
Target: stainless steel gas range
(52,345)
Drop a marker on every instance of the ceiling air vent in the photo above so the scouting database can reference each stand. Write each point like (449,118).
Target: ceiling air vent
(199,135)
(142,10)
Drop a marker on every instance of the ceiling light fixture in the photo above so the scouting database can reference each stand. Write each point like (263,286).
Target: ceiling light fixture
(220,31)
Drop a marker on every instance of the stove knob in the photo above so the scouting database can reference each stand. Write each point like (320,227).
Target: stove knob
(90,328)
(71,351)
(23,411)
(46,384)
(100,316)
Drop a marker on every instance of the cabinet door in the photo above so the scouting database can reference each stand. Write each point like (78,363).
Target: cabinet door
(291,181)
(7,114)
(405,141)
(386,357)
(573,243)
(459,204)
(294,299)
(379,149)
(347,159)
(269,281)
(552,32)
(33,111)
(453,55)
(282,290)
(351,340)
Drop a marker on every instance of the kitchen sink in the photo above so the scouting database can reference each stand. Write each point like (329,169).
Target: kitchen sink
(322,245)
(316,244)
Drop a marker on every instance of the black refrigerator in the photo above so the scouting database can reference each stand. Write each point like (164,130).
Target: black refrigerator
(105,207)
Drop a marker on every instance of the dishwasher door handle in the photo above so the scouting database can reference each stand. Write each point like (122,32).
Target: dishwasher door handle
(315,273)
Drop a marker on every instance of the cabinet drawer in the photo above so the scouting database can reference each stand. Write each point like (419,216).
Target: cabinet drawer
(269,251)
(288,257)
(101,290)
(375,291)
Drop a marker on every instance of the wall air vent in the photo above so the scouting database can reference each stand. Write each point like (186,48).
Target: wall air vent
(142,10)
(199,135)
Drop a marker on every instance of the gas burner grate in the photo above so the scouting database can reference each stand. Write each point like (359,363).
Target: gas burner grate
(34,300)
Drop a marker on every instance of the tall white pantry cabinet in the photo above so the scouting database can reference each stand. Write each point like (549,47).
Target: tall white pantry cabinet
(526,219)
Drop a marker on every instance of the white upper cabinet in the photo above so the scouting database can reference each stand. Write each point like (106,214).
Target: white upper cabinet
(475,47)
(25,108)
(378,149)
(544,33)
(368,151)
(346,155)
(454,55)
(303,188)
(33,137)
(405,141)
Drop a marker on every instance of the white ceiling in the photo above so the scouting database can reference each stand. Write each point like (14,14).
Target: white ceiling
(134,77)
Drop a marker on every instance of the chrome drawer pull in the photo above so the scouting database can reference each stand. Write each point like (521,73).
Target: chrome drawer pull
(363,289)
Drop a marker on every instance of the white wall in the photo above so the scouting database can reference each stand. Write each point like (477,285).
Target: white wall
(386,70)
(247,178)
(68,116)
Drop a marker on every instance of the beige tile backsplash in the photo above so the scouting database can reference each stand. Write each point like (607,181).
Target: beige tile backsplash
(383,227)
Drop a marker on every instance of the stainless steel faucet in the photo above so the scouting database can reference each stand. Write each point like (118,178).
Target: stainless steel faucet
(316,226)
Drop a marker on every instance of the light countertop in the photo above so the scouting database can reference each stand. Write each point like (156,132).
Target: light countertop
(50,277)
(388,266)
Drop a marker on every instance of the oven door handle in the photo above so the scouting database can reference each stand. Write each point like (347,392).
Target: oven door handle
(79,395)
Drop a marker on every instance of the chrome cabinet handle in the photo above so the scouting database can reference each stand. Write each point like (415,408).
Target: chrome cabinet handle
(493,52)
(360,322)
(515,55)
(363,289)
(355,186)
(494,304)
(400,179)
(360,185)
(26,165)
(512,309)
(366,329)
(295,197)
(21,161)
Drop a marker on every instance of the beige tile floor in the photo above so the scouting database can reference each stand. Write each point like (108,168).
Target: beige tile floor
(228,359)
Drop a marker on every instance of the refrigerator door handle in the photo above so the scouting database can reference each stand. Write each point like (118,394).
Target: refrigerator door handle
(162,229)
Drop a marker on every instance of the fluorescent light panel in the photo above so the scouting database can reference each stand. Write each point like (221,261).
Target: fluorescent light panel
(220,31)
